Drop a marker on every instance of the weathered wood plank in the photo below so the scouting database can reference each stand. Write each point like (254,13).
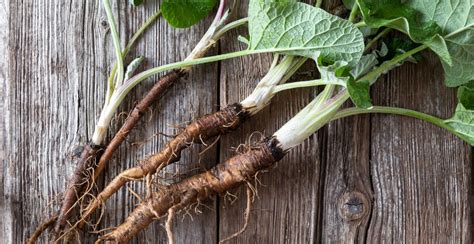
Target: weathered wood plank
(364,179)
(62,54)
(414,178)
(346,198)
(191,98)
(5,225)
(48,66)
(421,174)
(285,210)
(347,186)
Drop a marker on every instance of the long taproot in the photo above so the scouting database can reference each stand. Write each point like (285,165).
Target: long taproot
(206,127)
(223,177)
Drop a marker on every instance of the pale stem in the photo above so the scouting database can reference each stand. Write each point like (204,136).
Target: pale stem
(116,41)
(263,92)
(127,48)
(313,117)
(301,84)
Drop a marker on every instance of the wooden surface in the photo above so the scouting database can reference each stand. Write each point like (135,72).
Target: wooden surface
(371,178)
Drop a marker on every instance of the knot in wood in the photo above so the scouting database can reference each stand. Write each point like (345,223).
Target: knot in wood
(353,206)
(104,25)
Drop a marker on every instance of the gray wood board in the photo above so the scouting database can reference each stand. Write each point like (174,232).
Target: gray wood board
(368,178)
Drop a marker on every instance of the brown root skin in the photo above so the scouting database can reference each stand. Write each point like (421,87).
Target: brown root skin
(41,228)
(157,91)
(76,183)
(223,177)
(206,127)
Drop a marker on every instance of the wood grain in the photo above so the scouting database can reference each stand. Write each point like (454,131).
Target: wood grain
(421,174)
(187,100)
(371,178)
(5,227)
(285,210)
(62,53)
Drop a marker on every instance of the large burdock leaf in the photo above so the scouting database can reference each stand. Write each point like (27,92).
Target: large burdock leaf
(185,13)
(300,29)
(446,26)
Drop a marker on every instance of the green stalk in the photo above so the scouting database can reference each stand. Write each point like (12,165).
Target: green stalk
(132,82)
(230,26)
(360,24)
(298,62)
(372,76)
(116,41)
(140,31)
(391,110)
(376,38)
(300,84)
(127,48)
(399,111)
(354,12)
(318,3)
(320,111)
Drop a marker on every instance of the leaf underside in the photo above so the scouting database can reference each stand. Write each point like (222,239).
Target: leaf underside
(303,30)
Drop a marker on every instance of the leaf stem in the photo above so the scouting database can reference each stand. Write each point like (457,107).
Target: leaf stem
(127,48)
(132,82)
(116,41)
(390,110)
(376,38)
(360,24)
(296,65)
(140,31)
(230,26)
(318,3)
(399,111)
(300,84)
(320,111)
(354,12)
(371,76)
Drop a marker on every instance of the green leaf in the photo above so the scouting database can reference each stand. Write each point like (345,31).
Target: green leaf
(456,19)
(348,3)
(367,62)
(243,40)
(336,72)
(339,73)
(403,17)
(133,66)
(185,13)
(445,26)
(135,2)
(462,123)
(397,15)
(300,29)
(466,95)
(360,93)
(397,46)
(461,48)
